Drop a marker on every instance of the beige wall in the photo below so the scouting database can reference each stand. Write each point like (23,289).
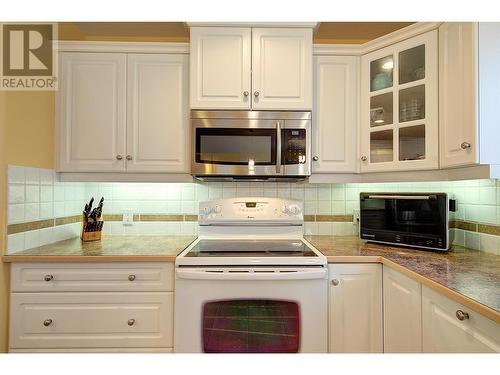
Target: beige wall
(29,118)
(4,271)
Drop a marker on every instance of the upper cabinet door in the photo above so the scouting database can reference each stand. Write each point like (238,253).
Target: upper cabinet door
(282,68)
(335,114)
(158,113)
(92,102)
(399,106)
(458,122)
(220,68)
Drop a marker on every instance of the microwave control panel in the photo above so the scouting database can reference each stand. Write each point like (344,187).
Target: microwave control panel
(293,146)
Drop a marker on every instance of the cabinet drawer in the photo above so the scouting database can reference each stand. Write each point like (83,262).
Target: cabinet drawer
(91,320)
(89,277)
(444,332)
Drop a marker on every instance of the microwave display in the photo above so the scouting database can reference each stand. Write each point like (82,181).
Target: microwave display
(294,146)
(414,219)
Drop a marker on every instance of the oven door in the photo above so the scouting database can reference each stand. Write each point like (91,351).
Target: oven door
(245,310)
(236,147)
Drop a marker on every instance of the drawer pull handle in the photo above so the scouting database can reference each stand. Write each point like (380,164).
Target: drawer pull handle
(335,282)
(48,278)
(462,315)
(131,322)
(47,322)
(131,277)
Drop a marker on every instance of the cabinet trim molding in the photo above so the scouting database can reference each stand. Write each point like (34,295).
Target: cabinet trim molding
(123,47)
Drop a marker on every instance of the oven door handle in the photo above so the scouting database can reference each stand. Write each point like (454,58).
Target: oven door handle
(214,274)
(278,148)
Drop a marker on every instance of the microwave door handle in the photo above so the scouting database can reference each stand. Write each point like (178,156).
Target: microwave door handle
(407,197)
(278,147)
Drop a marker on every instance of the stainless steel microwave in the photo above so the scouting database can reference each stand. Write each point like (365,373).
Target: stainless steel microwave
(251,145)
(409,219)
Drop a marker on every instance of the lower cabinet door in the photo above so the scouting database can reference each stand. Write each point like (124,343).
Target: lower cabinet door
(449,327)
(355,308)
(91,320)
(402,313)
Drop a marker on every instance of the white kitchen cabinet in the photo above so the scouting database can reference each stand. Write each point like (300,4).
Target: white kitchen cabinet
(448,327)
(158,113)
(334,141)
(220,67)
(402,313)
(251,68)
(92,112)
(399,106)
(355,308)
(123,112)
(469,87)
(77,307)
(91,320)
(281,68)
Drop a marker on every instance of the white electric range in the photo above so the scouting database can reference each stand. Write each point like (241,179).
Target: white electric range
(250,283)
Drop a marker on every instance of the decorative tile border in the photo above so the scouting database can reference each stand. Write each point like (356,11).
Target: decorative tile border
(41,224)
(328,218)
(476,227)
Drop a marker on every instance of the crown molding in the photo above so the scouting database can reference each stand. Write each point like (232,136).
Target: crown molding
(124,47)
(311,25)
(375,44)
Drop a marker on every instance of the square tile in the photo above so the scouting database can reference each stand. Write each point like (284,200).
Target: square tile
(46,193)
(31,211)
(15,213)
(31,239)
(32,193)
(16,174)
(47,176)
(46,210)
(489,243)
(46,236)
(472,240)
(16,193)
(15,242)
(32,176)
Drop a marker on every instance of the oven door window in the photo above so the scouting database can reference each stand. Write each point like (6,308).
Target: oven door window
(251,326)
(236,146)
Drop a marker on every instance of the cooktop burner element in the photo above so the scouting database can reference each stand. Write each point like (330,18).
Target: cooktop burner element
(250,248)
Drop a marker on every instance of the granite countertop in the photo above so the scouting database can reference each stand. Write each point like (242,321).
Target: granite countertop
(470,273)
(110,248)
(470,277)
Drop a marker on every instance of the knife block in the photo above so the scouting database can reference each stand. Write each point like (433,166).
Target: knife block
(91,230)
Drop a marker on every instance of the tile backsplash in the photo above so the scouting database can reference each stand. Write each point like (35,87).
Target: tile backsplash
(35,195)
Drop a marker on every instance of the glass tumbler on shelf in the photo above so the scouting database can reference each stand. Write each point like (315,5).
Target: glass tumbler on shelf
(403,112)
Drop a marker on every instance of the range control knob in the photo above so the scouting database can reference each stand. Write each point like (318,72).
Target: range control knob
(207,210)
(292,209)
(217,209)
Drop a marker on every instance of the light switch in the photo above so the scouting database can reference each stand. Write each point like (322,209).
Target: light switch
(128,217)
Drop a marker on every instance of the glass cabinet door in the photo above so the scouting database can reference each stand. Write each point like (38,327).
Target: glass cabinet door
(400,130)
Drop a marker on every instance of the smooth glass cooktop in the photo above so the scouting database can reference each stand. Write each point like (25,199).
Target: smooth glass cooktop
(250,248)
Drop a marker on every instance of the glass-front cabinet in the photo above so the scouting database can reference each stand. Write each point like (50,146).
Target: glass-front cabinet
(399,110)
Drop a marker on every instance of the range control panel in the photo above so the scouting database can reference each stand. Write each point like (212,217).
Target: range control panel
(250,209)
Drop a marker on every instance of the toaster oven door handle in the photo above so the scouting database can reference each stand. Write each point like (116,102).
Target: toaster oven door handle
(407,197)
(278,147)
(219,274)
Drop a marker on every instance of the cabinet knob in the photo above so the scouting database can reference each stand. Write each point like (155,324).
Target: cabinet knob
(315,158)
(131,277)
(119,157)
(48,277)
(335,282)
(364,158)
(465,145)
(245,93)
(256,93)
(462,315)
(131,322)
(47,322)
(129,157)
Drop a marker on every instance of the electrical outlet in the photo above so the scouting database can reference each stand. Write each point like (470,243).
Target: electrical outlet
(128,217)
(355,216)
